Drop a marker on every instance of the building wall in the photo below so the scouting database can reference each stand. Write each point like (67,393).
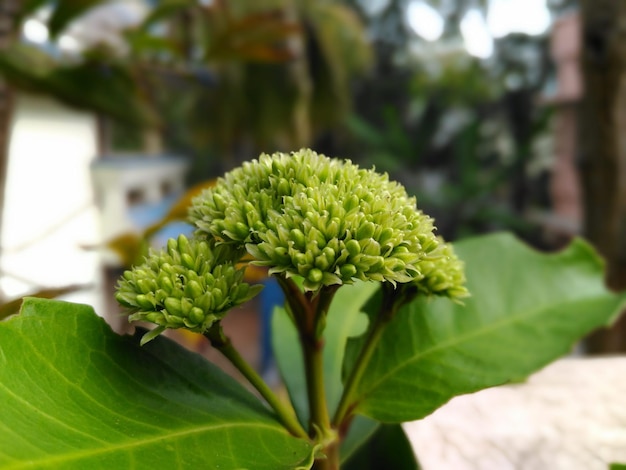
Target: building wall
(50,215)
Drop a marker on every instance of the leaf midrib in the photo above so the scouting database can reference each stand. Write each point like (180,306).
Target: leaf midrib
(67,457)
(467,337)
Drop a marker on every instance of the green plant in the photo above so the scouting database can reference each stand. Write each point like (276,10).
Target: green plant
(368,334)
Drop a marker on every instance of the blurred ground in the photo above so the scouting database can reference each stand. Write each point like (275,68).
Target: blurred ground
(569,416)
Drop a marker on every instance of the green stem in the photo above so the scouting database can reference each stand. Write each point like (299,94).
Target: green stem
(348,397)
(313,350)
(393,299)
(314,369)
(223,344)
(308,311)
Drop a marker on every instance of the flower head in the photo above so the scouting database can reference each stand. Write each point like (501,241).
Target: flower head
(326,220)
(442,274)
(188,285)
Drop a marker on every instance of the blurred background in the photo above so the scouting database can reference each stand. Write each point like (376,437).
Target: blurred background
(496,114)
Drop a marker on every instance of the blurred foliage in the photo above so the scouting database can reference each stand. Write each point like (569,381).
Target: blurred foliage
(105,86)
(224,81)
(225,78)
(462,133)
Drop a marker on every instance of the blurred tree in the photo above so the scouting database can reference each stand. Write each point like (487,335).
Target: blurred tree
(267,105)
(603,147)
(459,131)
(231,78)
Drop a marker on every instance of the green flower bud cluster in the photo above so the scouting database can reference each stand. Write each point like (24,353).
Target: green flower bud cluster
(325,220)
(443,274)
(185,286)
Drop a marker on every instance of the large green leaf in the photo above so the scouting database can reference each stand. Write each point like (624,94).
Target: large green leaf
(344,320)
(617,466)
(75,395)
(526,310)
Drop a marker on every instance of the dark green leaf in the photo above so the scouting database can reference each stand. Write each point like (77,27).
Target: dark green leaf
(526,310)
(617,466)
(74,395)
(387,448)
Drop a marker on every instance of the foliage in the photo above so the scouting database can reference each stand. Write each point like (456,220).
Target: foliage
(353,353)
(462,134)
(458,139)
(110,403)
(216,78)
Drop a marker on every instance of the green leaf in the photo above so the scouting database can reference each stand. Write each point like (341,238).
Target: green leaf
(344,320)
(617,466)
(75,395)
(526,310)
(387,448)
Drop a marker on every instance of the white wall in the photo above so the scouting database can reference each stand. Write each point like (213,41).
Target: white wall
(50,213)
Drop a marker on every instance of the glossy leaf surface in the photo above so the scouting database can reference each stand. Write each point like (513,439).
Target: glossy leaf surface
(74,395)
(526,310)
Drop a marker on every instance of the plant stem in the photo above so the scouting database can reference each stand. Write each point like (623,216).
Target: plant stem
(347,402)
(312,340)
(393,299)
(314,369)
(319,420)
(308,311)
(224,345)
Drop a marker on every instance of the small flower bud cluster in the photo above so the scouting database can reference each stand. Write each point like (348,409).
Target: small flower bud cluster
(327,221)
(443,274)
(184,286)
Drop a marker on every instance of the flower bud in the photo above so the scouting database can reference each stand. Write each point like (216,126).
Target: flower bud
(183,290)
(348,271)
(353,247)
(315,275)
(144,301)
(298,238)
(172,305)
(366,230)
